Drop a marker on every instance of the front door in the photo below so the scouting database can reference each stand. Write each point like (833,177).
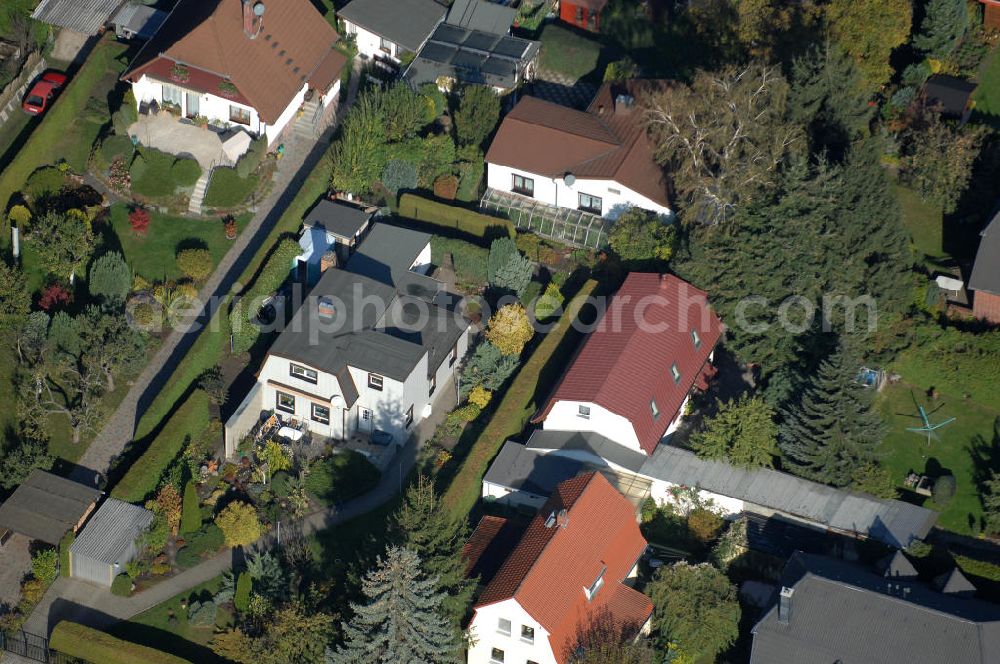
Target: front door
(193,101)
(366,420)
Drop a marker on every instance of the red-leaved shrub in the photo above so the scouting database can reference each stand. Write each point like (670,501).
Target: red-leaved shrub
(53,297)
(139,219)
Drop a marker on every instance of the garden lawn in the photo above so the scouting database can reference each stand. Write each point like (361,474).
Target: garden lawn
(906,451)
(987,95)
(568,53)
(226,189)
(341,477)
(469,259)
(154,256)
(153,628)
(924,222)
(67,131)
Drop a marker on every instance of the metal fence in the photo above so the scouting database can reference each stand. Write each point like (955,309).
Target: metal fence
(33,647)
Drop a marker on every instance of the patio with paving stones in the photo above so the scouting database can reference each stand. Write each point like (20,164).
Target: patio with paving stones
(166,132)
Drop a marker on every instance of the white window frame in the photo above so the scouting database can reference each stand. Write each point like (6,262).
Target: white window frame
(493,655)
(239,113)
(385,45)
(376,382)
(303,373)
(278,394)
(596,585)
(598,209)
(319,418)
(695,338)
(675,373)
(654,408)
(583,412)
(409,417)
(500,626)
(530,637)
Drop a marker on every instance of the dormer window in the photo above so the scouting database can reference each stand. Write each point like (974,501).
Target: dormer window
(303,373)
(375,382)
(675,373)
(654,409)
(695,338)
(596,585)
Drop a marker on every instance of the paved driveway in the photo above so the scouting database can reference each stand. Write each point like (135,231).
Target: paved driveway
(15,563)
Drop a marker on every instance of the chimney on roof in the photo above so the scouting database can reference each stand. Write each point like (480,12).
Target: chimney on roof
(325,308)
(329,260)
(785,604)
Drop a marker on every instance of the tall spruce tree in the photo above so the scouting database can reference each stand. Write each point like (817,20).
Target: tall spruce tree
(945,23)
(829,97)
(424,526)
(833,431)
(402,621)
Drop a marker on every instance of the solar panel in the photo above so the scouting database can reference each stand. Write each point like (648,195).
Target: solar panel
(449,33)
(468,60)
(436,52)
(481,41)
(498,67)
(512,48)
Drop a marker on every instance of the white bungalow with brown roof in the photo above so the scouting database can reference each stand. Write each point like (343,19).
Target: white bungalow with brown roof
(240,63)
(598,161)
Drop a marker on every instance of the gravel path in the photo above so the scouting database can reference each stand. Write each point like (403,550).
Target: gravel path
(302,154)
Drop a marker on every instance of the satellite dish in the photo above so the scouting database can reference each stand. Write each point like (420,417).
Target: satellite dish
(258,9)
(569,179)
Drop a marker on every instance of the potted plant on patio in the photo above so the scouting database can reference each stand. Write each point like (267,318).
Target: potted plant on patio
(180,73)
(230,225)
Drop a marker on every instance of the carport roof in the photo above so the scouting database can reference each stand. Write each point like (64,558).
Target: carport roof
(86,16)
(45,507)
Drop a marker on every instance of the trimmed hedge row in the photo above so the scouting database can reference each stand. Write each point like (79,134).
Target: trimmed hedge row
(272,275)
(95,646)
(466,221)
(517,405)
(143,478)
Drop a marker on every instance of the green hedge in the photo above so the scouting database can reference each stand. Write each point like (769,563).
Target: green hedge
(121,585)
(227,189)
(341,477)
(64,545)
(275,272)
(466,221)
(517,405)
(95,646)
(980,568)
(143,478)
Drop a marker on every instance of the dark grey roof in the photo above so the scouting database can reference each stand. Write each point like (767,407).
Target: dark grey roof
(338,218)
(954,583)
(890,521)
(471,56)
(112,531)
(986,271)
(949,92)
(45,507)
(482,15)
(898,566)
(86,16)
(531,471)
(140,20)
(380,323)
(405,22)
(841,612)
(588,443)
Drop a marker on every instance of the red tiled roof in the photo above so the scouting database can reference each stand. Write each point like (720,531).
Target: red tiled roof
(294,45)
(488,547)
(623,365)
(552,565)
(606,142)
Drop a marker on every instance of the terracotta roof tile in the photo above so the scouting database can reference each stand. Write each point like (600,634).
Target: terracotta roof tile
(607,141)
(488,547)
(549,570)
(293,45)
(623,365)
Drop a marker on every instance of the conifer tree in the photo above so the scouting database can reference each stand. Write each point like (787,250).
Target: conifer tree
(944,24)
(424,526)
(402,621)
(833,430)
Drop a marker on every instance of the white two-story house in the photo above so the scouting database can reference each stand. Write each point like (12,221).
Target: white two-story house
(369,350)
(386,29)
(239,63)
(599,161)
(570,571)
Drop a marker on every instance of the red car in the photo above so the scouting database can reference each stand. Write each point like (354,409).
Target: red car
(43,92)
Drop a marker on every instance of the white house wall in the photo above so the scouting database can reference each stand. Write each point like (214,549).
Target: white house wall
(662,493)
(422,263)
(370,44)
(615,197)
(564,416)
(505,496)
(275,376)
(485,636)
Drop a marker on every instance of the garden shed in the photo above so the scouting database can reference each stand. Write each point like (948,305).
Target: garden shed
(108,543)
(45,507)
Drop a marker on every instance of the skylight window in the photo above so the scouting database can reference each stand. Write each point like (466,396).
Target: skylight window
(675,372)
(695,338)
(596,585)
